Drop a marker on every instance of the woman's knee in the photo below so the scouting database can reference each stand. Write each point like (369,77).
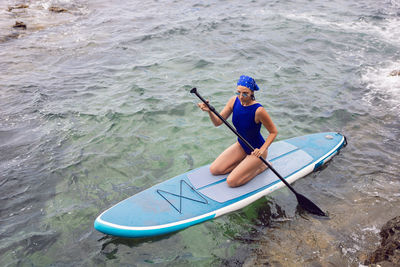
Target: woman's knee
(216,169)
(234,181)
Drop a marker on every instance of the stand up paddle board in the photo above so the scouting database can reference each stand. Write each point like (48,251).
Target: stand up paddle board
(198,196)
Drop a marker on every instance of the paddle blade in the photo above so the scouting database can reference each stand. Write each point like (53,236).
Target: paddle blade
(309,206)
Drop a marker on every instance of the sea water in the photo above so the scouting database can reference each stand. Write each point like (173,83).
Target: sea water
(95,107)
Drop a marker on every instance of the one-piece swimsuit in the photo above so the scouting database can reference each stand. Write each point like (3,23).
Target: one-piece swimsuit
(243,119)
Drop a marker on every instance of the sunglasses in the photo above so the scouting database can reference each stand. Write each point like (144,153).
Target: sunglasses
(243,94)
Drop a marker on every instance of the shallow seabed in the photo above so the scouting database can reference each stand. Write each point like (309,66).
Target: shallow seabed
(95,107)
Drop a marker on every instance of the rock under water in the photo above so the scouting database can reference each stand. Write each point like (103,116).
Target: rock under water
(19,25)
(57,9)
(389,250)
(20,6)
(395,73)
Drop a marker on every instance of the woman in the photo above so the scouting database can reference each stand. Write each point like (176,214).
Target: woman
(248,115)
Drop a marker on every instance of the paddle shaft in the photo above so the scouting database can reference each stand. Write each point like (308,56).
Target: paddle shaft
(194,91)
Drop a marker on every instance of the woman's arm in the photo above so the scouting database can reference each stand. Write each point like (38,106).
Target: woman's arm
(263,117)
(225,113)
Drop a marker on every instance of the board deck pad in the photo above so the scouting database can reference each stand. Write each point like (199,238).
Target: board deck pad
(203,177)
(292,162)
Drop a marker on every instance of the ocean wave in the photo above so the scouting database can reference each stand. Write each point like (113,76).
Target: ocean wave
(383,88)
(382,27)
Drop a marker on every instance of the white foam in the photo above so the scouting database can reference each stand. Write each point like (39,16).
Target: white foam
(372,229)
(383,88)
(386,29)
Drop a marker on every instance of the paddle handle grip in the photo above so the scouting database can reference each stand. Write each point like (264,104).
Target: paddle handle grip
(194,91)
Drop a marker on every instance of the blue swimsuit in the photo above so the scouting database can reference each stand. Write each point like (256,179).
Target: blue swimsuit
(244,120)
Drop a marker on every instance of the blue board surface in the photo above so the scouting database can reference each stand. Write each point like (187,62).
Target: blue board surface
(198,196)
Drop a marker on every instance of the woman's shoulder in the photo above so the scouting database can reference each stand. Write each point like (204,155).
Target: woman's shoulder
(260,113)
(259,108)
(231,101)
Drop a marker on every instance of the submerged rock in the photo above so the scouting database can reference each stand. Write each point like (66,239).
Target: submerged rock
(395,73)
(389,251)
(57,9)
(21,6)
(14,35)
(20,25)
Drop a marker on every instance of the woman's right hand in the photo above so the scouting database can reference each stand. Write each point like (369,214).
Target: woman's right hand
(203,106)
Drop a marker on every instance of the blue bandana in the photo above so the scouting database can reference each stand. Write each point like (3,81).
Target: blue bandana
(248,82)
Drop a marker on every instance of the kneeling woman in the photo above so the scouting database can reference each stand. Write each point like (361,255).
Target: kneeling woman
(248,115)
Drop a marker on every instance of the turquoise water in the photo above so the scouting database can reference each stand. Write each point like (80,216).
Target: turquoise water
(95,107)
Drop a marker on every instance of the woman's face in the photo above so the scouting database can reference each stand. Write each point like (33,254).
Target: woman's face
(244,94)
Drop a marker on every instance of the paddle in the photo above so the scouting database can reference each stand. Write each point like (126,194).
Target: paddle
(304,202)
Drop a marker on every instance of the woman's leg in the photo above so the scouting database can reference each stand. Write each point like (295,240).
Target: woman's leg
(228,160)
(246,170)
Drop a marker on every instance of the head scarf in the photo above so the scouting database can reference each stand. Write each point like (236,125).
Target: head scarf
(248,82)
